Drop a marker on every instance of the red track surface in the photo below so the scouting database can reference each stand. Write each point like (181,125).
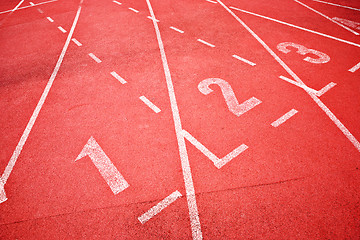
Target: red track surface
(298,180)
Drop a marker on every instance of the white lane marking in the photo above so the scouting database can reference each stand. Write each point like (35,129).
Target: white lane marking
(301,28)
(40,11)
(28,6)
(284,118)
(32,4)
(354,68)
(134,10)
(176,29)
(150,104)
(40,104)
(76,42)
(244,60)
(321,57)
(311,90)
(61,29)
(325,89)
(348,22)
(50,19)
(332,116)
(117,2)
(120,79)
(328,18)
(17,6)
(152,19)
(95,58)
(211,1)
(102,162)
(184,158)
(218,162)
(206,43)
(11,12)
(3,197)
(338,5)
(159,207)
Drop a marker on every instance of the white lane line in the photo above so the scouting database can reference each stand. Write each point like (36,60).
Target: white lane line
(354,68)
(150,104)
(325,89)
(50,19)
(205,42)
(134,10)
(3,197)
(176,29)
(11,12)
(347,22)
(328,18)
(284,118)
(76,42)
(327,111)
(218,162)
(95,58)
(40,11)
(31,3)
(184,158)
(28,6)
(211,1)
(40,104)
(152,19)
(117,2)
(244,60)
(338,5)
(120,79)
(295,26)
(61,29)
(159,207)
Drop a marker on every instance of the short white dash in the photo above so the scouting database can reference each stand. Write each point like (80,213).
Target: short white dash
(61,29)
(211,1)
(159,207)
(206,43)
(244,60)
(50,19)
(120,79)
(76,42)
(150,104)
(40,11)
(176,29)
(134,10)
(96,59)
(354,68)
(3,197)
(284,118)
(152,19)
(31,3)
(325,89)
(117,2)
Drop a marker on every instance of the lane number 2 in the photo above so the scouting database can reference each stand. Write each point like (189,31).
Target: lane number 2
(321,57)
(229,95)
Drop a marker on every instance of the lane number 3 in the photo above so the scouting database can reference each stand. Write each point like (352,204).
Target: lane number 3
(321,57)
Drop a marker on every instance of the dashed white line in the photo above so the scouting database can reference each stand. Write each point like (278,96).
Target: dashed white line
(29,6)
(120,79)
(205,42)
(134,10)
(117,2)
(325,89)
(61,29)
(300,85)
(354,68)
(50,19)
(244,60)
(95,58)
(176,29)
(40,11)
(150,104)
(338,5)
(152,19)
(76,42)
(211,1)
(284,118)
(159,207)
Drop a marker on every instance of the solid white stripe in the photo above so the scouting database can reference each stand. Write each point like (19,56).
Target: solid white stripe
(95,58)
(150,104)
(206,43)
(284,118)
(120,79)
(244,60)
(176,29)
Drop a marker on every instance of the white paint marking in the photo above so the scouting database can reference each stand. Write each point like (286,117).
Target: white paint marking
(159,207)
(134,10)
(284,118)
(333,118)
(321,57)
(117,2)
(185,165)
(244,60)
(354,68)
(32,4)
(176,29)
(152,19)
(120,79)
(61,29)
(348,22)
(50,19)
(3,197)
(40,104)
(29,6)
(108,171)
(338,5)
(40,11)
(297,27)
(206,43)
(17,6)
(217,161)
(150,104)
(308,89)
(325,89)
(11,12)
(328,18)
(76,42)
(96,59)
(211,1)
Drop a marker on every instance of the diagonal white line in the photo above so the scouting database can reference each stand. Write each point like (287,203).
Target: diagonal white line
(11,12)
(150,104)
(338,5)
(284,118)
(354,68)
(29,6)
(244,60)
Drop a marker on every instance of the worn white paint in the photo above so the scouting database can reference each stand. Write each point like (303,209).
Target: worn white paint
(311,90)
(348,23)
(206,43)
(322,57)
(3,197)
(95,58)
(244,60)
(50,19)
(19,8)
(40,11)
(76,42)
(150,104)
(355,68)
(31,3)
(338,5)
(120,79)
(62,29)
(119,3)
(176,29)
(284,118)
(134,10)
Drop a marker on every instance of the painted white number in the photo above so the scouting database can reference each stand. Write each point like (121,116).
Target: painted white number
(322,57)
(229,95)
